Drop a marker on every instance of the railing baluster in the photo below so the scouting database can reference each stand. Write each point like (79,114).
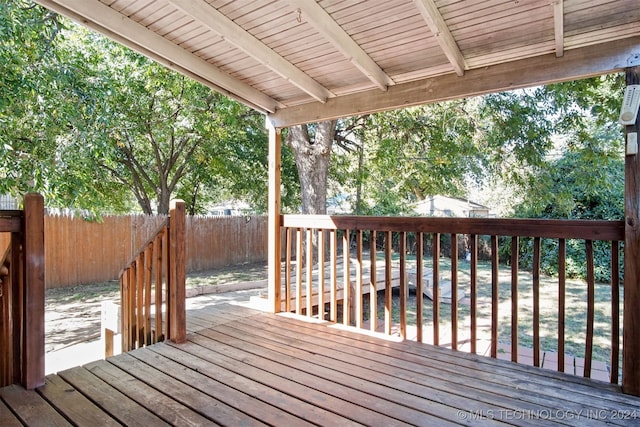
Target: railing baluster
(346,291)
(474,293)
(144,288)
(388,283)
(454,291)
(403,285)
(373,287)
(321,237)
(167,272)
(158,287)
(133,301)
(140,300)
(615,311)
(124,305)
(299,261)
(333,242)
(536,301)
(436,289)
(358,293)
(495,295)
(588,352)
(287,270)
(148,276)
(419,284)
(562,256)
(515,242)
(309,259)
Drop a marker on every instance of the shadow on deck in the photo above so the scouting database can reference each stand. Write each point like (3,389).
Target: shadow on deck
(245,367)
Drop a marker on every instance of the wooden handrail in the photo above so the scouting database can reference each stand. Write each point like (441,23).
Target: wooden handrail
(159,229)
(306,293)
(547,228)
(152,288)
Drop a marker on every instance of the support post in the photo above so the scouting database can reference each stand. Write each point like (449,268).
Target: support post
(177,272)
(274,249)
(631,325)
(33,312)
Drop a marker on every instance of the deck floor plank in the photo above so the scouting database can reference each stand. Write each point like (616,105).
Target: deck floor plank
(499,377)
(297,334)
(113,402)
(425,354)
(7,418)
(31,408)
(241,366)
(249,405)
(420,382)
(314,389)
(389,392)
(156,401)
(216,409)
(73,405)
(258,390)
(352,413)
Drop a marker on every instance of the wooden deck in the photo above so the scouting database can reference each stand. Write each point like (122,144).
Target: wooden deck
(245,367)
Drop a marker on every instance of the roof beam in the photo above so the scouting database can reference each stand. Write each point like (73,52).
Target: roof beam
(443,36)
(558,26)
(102,18)
(315,15)
(576,64)
(234,34)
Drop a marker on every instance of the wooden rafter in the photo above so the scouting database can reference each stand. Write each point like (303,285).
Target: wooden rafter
(443,36)
(241,39)
(137,37)
(314,14)
(558,26)
(576,64)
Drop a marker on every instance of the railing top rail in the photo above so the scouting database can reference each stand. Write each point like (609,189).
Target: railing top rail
(11,213)
(161,226)
(548,228)
(11,221)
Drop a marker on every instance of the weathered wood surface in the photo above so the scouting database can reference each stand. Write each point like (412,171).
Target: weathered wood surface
(244,367)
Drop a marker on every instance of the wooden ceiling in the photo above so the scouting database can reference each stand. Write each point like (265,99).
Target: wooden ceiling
(305,60)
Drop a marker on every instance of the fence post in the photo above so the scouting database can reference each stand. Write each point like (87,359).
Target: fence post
(177,272)
(33,314)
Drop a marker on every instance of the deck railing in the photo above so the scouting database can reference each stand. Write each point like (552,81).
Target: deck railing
(152,288)
(327,268)
(22,294)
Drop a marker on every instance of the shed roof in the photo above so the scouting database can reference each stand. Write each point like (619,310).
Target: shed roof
(305,60)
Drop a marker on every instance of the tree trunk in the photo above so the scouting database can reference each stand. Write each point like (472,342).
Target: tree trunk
(312,160)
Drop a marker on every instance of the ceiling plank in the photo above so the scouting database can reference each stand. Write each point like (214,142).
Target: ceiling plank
(558,26)
(238,37)
(576,64)
(135,36)
(314,14)
(443,36)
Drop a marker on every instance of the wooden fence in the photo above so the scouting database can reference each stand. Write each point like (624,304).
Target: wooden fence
(80,252)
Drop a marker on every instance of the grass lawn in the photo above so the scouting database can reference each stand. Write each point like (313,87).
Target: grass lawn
(575,311)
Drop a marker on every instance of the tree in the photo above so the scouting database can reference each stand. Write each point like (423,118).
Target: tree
(28,124)
(92,125)
(311,147)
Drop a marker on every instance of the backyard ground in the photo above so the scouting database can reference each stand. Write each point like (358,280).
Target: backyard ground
(72,314)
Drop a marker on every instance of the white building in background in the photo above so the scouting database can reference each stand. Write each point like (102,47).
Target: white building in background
(230,208)
(8,202)
(443,206)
